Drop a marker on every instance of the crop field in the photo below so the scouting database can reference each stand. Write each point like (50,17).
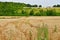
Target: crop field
(30,28)
(33,11)
(30,11)
(36,11)
(22,9)
(20,21)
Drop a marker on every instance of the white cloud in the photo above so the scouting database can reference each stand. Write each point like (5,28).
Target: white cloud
(38,2)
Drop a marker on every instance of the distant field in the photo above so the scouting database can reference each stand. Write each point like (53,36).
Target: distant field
(30,11)
(41,8)
(35,11)
(22,9)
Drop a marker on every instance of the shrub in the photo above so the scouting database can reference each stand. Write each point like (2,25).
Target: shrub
(31,13)
(51,12)
(42,12)
(38,14)
(23,13)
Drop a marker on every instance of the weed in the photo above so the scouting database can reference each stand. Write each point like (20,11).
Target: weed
(42,33)
(55,29)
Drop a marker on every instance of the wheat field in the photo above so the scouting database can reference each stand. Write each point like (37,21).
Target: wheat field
(30,28)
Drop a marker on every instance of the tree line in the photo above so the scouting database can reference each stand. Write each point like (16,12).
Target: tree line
(11,9)
(29,5)
(56,5)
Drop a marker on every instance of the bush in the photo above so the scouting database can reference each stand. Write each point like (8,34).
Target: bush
(23,13)
(31,13)
(51,12)
(42,12)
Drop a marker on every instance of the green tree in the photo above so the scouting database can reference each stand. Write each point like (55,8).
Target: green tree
(34,6)
(40,5)
(51,12)
(24,13)
(28,5)
(42,12)
(31,13)
(38,14)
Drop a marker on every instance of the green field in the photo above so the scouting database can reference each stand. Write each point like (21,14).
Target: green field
(22,9)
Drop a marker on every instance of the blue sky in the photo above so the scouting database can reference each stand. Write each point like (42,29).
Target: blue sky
(44,3)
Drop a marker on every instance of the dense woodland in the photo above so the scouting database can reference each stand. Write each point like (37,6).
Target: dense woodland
(17,9)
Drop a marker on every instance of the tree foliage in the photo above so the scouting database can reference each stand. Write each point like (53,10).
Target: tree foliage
(31,13)
(17,9)
(56,5)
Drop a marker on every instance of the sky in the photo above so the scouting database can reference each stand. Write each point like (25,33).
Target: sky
(44,3)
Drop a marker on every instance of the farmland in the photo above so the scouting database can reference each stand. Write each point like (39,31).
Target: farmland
(22,9)
(20,21)
(30,11)
(30,28)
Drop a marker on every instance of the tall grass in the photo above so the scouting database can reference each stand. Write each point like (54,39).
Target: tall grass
(42,33)
(30,35)
(55,29)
